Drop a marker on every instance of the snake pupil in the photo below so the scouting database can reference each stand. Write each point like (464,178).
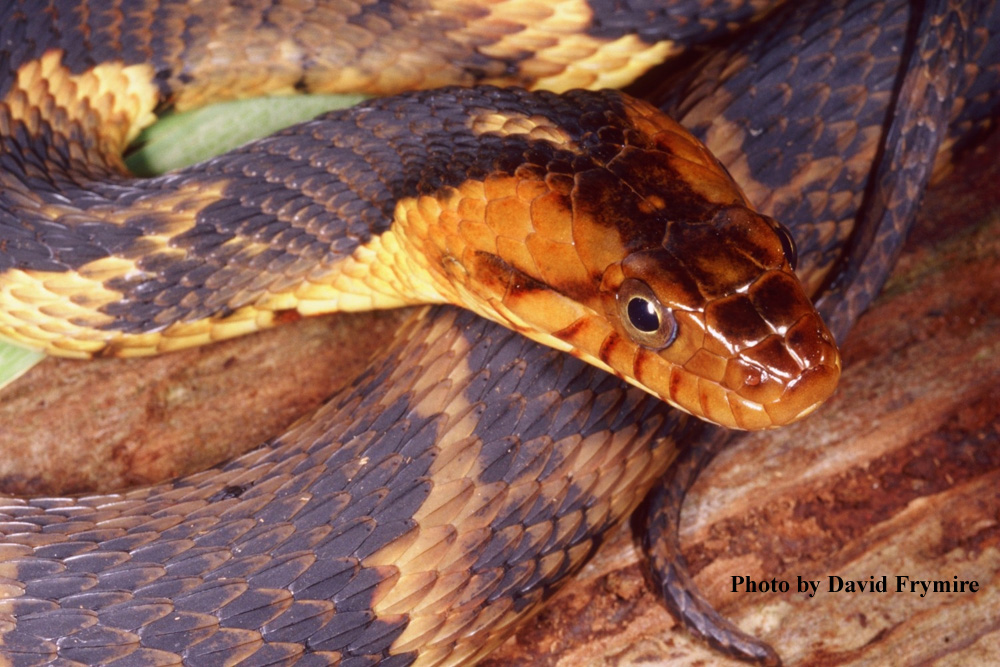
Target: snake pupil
(645,320)
(642,314)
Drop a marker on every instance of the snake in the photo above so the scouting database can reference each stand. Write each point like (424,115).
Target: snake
(448,491)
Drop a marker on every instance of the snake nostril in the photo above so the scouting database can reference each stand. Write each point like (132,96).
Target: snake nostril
(755,376)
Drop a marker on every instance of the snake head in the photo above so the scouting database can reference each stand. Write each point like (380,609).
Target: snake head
(628,244)
(694,296)
(716,323)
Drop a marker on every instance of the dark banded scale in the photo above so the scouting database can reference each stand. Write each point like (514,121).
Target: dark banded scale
(376,637)
(300,542)
(352,167)
(379,42)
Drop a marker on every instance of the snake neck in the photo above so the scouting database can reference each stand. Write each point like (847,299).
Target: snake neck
(319,218)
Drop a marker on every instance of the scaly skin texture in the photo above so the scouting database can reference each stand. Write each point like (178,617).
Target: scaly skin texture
(763,138)
(403,522)
(752,331)
(403,201)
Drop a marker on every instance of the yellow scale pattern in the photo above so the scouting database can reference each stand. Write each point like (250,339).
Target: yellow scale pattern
(563,55)
(428,568)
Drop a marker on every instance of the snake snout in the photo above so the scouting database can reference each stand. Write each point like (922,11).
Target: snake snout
(784,363)
(785,377)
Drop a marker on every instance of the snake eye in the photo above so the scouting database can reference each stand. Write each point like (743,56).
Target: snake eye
(787,244)
(645,319)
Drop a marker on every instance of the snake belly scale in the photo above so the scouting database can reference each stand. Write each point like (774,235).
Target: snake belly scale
(403,523)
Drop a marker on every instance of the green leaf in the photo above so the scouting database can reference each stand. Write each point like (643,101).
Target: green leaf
(15,361)
(178,140)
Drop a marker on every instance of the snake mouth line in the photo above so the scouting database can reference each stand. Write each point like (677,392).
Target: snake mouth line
(731,409)
(783,378)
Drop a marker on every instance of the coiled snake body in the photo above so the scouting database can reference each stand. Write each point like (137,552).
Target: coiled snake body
(412,517)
